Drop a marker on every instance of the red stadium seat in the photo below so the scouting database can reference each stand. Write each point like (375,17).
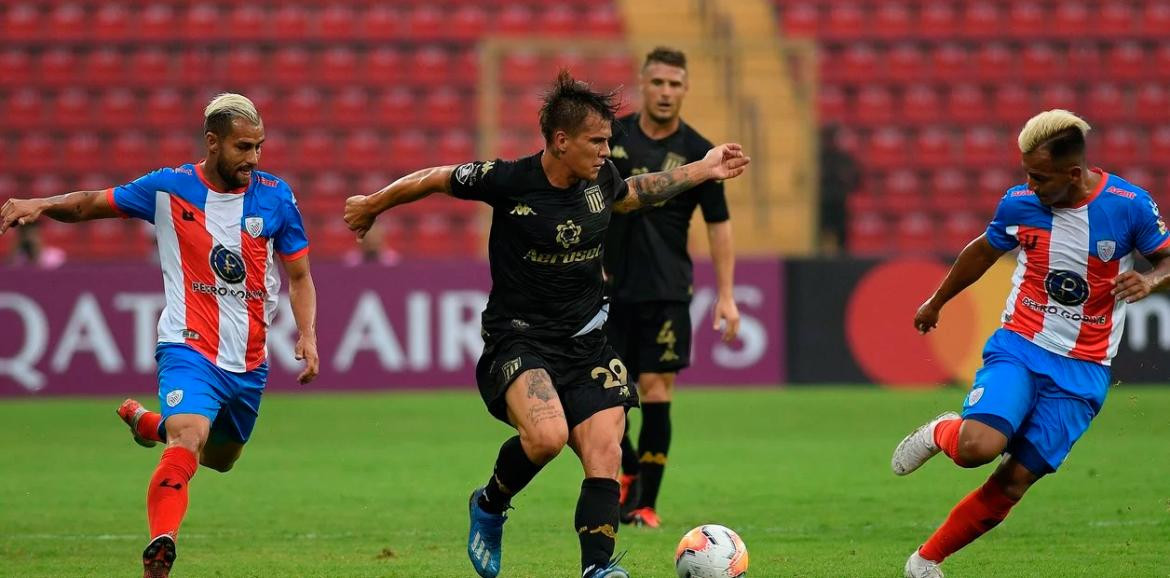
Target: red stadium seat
(465,68)
(934,147)
(104,66)
(314,150)
(166,108)
(47,185)
(887,148)
(1117,20)
(1120,146)
(409,151)
(194,64)
(860,63)
(427,23)
(875,105)
(444,108)
(351,107)
(455,147)
(336,22)
(993,182)
(844,21)
(58,67)
(515,20)
(903,191)
(71,109)
(892,21)
(1011,104)
(960,228)
(1127,61)
(290,22)
(1038,61)
(244,65)
(132,152)
(429,65)
(22,22)
(557,20)
(111,22)
(869,235)
(571,60)
(832,106)
(331,186)
(1027,20)
(949,182)
(995,61)
(915,234)
(982,21)
(521,68)
(1059,96)
(921,104)
(157,20)
(905,61)
(1152,104)
(938,21)
(151,66)
(16,68)
(205,22)
(602,21)
(467,24)
(23,109)
(249,22)
(1160,67)
(380,23)
(395,108)
(1136,175)
(983,146)
(967,103)
(1084,56)
(951,62)
(862,201)
(384,66)
(799,20)
(1155,22)
(84,151)
(304,108)
(178,148)
(339,65)
(1106,103)
(118,109)
(293,66)
(68,22)
(1071,20)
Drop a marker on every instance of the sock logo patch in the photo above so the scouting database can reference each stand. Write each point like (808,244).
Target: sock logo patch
(174,398)
(166,484)
(974,397)
(653,458)
(604,529)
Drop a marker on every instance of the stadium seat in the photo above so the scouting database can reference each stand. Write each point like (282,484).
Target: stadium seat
(314,150)
(892,21)
(995,62)
(859,63)
(426,23)
(915,234)
(799,19)
(1058,96)
(444,108)
(832,105)
(1071,20)
(383,66)
(203,22)
(960,227)
(291,66)
(938,21)
(1152,103)
(521,68)
(468,24)
(111,22)
(1120,146)
(515,20)
(1011,104)
(844,21)
(194,64)
(1117,20)
(601,21)
(569,59)
(1159,146)
(16,68)
(1127,61)
(22,22)
(350,107)
(557,20)
(869,235)
(1085,56)
(949,182)
(950,62)
(887,148)
(862,201)
(71,109)
(1027,20)
(133,152)
(1155,21)
(268,103)
(244,64)
(167,108)
(1106,103)
(36,152)
(118,108)
(429,66)
(934,147)
(339,65)
(982,21)
(455,147)
(102,67)
(395,108)
(921,104)
(326,191)
(1136,175)
(902,191)
(290,22)
(464,68)
(905,61)
(967,103)
(1160,67)
(47,185)
(1038,60)
(993,182)
(149,67)
(179,148)
(336,22)
(23,109)
(409,151)
(67,20)
(58,67)
(304,107)
(249,22)
(983,146)
(84,151)
(875,105)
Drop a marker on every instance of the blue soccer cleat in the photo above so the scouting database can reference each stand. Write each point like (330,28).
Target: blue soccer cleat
(611,570)
(485,537)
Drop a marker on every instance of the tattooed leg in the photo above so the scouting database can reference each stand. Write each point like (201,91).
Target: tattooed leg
(536,411)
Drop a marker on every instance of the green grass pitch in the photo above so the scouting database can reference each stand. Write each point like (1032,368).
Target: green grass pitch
(376,485)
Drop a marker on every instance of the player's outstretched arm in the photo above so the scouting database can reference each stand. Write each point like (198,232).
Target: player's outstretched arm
(362,210)
(302,295)
(67,208)
(723,162)
(972,263)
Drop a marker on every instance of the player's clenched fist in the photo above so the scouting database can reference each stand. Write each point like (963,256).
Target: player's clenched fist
(358,216)
(20,212)
(926,318)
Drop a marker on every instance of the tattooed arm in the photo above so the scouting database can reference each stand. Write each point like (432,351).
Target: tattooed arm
(723,162)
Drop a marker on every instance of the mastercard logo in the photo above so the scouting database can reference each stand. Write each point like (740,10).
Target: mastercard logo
(879,323)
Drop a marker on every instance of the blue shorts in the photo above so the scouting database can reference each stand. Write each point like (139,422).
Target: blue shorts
(1043,402)
(190,383)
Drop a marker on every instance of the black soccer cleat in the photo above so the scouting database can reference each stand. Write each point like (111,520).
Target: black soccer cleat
(158,557)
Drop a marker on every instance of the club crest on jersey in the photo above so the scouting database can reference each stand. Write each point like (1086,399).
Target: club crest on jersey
(174,398)
(974,397)
(1105,249)
(254,226)
(594,199)
(227,265)
(568,234)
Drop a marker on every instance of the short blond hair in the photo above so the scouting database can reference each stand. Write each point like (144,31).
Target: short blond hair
(1048,125)
(225,107)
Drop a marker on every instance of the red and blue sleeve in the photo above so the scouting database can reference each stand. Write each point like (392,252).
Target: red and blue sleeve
(137,198)
(291,242)
(1150,233)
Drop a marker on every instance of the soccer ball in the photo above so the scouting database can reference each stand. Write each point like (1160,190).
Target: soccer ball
(711,551)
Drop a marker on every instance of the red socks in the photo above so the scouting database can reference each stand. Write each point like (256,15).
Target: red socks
(946,437)
(975,515)
(147,427)
(166,498)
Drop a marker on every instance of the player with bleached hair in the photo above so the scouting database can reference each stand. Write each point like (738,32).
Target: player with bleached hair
(1046,370)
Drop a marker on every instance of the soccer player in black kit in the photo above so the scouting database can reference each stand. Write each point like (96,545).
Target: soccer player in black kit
(546,368)
(650,273)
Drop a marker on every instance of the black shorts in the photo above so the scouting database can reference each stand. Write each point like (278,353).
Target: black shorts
(588,376)
(653,337)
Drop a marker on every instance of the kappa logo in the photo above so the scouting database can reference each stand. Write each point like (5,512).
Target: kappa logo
(522,210)
(174,398)
(974,397)
(1105,249)
(254,226)
(619,152)
(568,234)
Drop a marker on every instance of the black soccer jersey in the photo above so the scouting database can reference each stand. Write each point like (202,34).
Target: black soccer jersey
(646,251)
(545,245)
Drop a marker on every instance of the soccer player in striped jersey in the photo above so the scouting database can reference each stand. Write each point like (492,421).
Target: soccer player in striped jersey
(1046,370)
(220,225)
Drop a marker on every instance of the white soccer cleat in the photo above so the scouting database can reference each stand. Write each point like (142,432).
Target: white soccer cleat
(919,567)
(918,447)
